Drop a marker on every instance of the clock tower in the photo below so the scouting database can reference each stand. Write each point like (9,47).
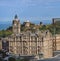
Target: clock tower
(16,25)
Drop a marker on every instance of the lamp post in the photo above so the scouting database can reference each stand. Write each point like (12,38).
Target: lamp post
(54,41)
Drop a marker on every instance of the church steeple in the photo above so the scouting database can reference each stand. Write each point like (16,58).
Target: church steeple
(16,25)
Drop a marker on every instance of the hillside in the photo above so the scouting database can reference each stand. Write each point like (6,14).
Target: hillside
(53,28)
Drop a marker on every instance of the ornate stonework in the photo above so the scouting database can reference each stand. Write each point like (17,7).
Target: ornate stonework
(28,43)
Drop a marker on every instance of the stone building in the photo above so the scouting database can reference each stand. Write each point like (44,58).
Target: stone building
(0,44)
(28,43)
(57,38)
(27,23)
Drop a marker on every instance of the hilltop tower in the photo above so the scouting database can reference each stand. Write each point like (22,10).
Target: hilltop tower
(16,25)
(27,23)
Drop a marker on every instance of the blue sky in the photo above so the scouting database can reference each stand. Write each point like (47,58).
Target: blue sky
(33,10)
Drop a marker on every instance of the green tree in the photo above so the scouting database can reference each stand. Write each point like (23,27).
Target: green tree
(3,53)
(4,33)
(1,59)
(11,59)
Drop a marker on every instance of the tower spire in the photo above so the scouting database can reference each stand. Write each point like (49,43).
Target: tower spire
(16,17)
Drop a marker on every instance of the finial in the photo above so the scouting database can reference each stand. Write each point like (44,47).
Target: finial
(16,16)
